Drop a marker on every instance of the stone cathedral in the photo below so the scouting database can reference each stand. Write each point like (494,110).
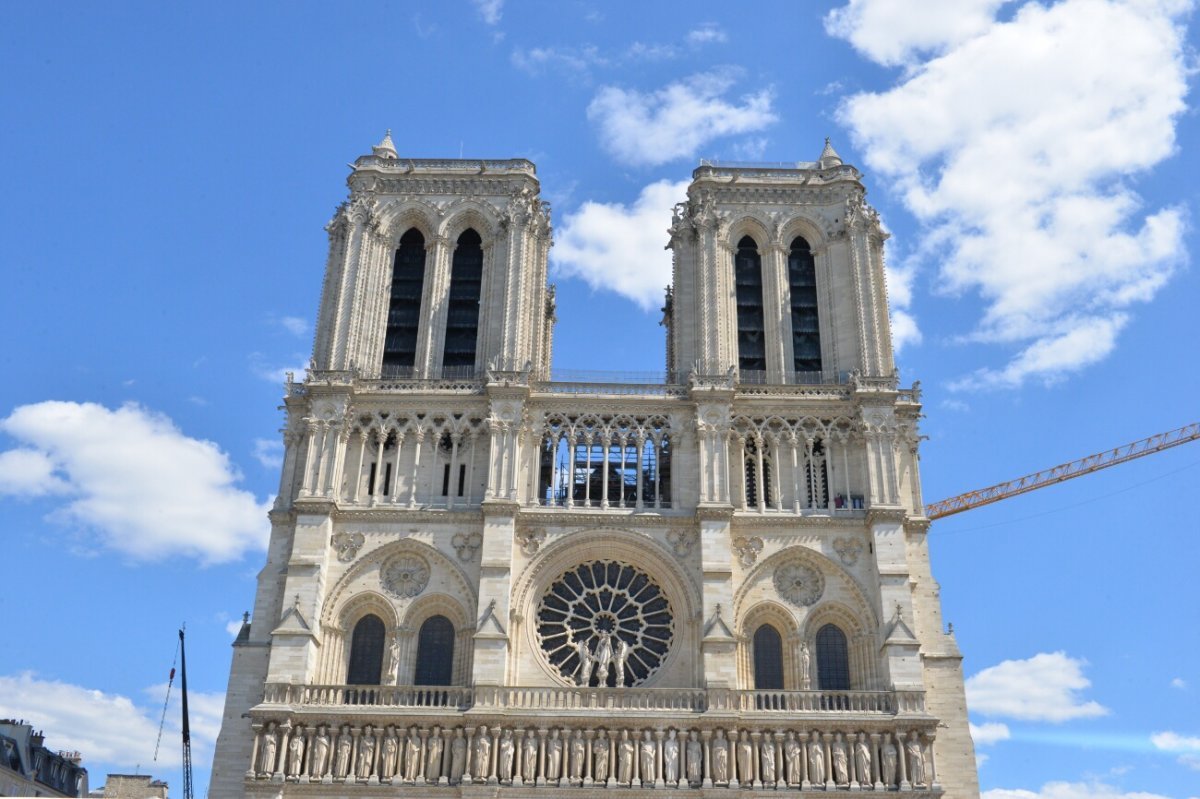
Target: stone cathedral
(485,581)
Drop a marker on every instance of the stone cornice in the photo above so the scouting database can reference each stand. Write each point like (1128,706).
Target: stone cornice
(566,518)
(886,515)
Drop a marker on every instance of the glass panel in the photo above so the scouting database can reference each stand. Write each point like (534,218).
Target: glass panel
(435,652)
(366,652)
(833,659)
(768,659)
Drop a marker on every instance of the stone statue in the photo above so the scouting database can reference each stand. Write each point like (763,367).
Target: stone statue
(345,747)
(649,753)
(604,656)
(625,759)
(671,758)
(622,654)
(916,759)
(318,756)
(530,749)
(792,752)
(295,756)
(745,759)
(695,759)
(483,754)
(584,654)
(720,758)
(266,751)
(862,759)
(366,754)
(805,667)
(578,753)
(767,759)
(554,751)
(433,760)
(506,756)
(458,755)
(412,755)
(888,761)
(841,761)
(816,761)
(600,758)
(389,752)
(392,667)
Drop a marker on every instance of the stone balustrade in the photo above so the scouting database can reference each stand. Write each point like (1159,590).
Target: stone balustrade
(617,755)
(372,698)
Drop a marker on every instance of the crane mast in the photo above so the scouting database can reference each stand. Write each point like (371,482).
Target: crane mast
(1062,472)
(187,733)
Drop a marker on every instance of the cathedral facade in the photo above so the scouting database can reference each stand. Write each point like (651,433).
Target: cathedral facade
(485,580)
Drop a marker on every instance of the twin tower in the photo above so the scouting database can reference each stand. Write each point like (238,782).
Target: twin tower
(484,581)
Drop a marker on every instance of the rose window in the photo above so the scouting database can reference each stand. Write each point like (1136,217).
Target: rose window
(799,583)
(605,623)
(405,576)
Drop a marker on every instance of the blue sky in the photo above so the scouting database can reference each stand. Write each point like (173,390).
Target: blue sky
(169,169)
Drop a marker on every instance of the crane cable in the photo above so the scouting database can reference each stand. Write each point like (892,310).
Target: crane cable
(166,701)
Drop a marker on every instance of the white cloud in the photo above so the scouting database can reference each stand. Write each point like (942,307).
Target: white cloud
(990,733)
(1014,149)
(110,728)
(134,478)
(295,325)
(980,759)
(615,247)
(1179,683)
(233,627)
(537,60)
(892,32)
(651,128)
(1070,790)
(1186,746)
(489,10)
(1045,687)
(268,452)
(274,373)
(29,473)
(708,33)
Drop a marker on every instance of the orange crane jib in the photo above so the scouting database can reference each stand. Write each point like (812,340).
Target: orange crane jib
(1065,471)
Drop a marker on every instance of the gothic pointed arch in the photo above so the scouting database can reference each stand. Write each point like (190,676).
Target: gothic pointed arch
(805,322)
(404,305)
(751,317)
(368,640)
(462,308)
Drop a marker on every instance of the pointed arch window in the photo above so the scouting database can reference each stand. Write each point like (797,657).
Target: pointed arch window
(806,331)
(462,310)
(404,307)
(366,652)
(833,659)
(768,659)
(435,652)
(747,273)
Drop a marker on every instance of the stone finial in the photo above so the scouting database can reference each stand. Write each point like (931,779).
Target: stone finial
(829,157)
(385,148)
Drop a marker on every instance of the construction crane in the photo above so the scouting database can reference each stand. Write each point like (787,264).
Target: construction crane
(1062,472)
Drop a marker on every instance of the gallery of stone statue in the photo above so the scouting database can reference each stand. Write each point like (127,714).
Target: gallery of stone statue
(488,577)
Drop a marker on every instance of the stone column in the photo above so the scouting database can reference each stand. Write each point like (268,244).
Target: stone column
(541,767)
(252,773)
(706,738)
(659,777)
(902,763)
(805,784)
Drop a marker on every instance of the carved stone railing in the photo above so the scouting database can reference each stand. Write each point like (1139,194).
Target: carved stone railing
(655,700)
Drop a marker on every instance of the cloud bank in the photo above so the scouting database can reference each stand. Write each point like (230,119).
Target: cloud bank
(1015,144)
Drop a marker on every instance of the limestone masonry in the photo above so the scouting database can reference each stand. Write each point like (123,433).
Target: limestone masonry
(485,581)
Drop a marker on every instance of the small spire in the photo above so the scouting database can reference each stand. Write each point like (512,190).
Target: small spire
(829,157)
(385,148)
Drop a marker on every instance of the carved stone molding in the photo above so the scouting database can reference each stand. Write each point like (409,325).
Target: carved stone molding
(799,583)
(747,549)
(681,540)
(466,544)
(848,550)
(347,545)
(405,576)
(530,540)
